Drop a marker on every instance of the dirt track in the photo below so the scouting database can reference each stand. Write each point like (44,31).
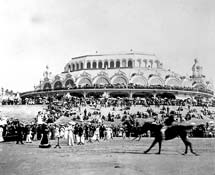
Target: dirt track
(108,157)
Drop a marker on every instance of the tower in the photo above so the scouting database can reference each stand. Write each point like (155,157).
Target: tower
(197,69)
(197,75)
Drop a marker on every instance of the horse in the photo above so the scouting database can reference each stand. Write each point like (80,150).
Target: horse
(128,126)
(171,132)
(138,132)
(132,127)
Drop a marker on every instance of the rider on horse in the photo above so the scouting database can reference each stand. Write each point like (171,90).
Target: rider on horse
(167,122)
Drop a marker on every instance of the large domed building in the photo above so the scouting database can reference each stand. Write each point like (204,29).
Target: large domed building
(124,74)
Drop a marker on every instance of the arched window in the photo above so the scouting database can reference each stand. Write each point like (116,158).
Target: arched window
(130,64)
(88,65)
(100,65)
(106,64)
(47,86)
(139,80)
(58,85)
(94,65)
(82,66)
(69,68)
(173,82)
(102,81)
(85,81)
(124,63)
(77,66)
(117,64)
(154,81)
(119,80)
(69,83)
(73,67)
(112,64)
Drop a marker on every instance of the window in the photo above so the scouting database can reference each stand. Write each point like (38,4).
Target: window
(88,65)
(124,63)
(100,65)
(69,68)
(77,66)
(73,67)
(130,64)
(118,64)
(94,65)
(106,64)
(112,64)
(82,66)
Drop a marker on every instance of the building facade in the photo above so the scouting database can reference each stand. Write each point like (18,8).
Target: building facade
(131,74)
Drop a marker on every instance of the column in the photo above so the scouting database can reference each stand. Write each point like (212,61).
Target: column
(130,94)
(85,94)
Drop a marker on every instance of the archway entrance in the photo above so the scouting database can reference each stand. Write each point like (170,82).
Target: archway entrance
(119,94)
(143,95)
(166,95)
(76,94)
(95,94)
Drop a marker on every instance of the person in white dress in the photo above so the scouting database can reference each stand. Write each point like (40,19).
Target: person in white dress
(66,132)
(39,118)
(96,134)
(109,133)
(70,135)
(1,134)
(29,135)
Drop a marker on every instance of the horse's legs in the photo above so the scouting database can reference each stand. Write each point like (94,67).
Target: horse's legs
(152,145)
(159,142)
(188,143)
(191,149)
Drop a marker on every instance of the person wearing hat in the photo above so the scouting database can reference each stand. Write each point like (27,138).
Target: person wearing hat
(91,131)
(75,132)
(45,139)
(168,122)
(19,131)
(80,135)
(70,137)
(59,134)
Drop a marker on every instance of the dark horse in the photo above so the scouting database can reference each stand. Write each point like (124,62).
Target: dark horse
(170,133)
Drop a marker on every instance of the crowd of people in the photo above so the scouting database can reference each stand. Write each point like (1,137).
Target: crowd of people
(73,132)
(80,126)
(148,100)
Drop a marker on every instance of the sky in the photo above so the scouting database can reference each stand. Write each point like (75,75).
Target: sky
(36,33)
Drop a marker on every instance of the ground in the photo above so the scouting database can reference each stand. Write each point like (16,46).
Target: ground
(112,157)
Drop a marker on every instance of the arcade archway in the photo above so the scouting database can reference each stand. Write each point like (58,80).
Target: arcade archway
(166,95)
(119,94)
